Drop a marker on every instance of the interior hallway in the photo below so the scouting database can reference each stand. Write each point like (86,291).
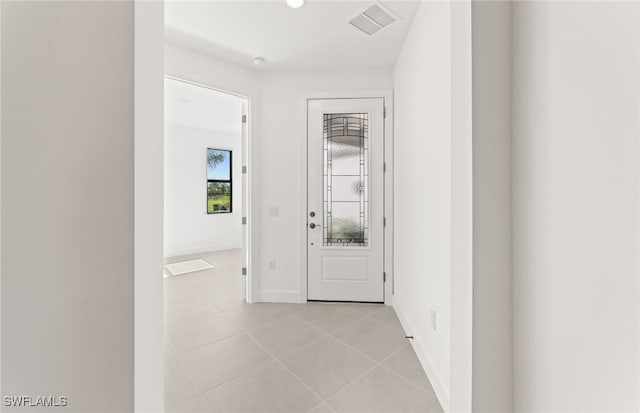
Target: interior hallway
(222,355)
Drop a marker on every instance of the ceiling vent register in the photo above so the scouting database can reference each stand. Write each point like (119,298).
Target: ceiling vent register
(373,19)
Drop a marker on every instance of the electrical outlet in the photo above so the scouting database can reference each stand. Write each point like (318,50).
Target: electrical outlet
(434,315)
(274,211)
(272,265)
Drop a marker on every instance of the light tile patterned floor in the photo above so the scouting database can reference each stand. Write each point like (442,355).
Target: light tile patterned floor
(222,355)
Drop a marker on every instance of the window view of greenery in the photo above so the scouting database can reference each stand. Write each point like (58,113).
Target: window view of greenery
(219,198)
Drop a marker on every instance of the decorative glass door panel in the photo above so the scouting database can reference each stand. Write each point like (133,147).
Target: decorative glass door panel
(346,203)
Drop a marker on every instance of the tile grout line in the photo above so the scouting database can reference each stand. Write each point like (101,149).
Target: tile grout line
(359,352)
(321,403)
(288,369)
(240,332)
(380,363)
(191,379)
(329,335)
(199,319)
(361,316)
(349,384)
(200,391)
(377,363)
(245,333)
(271,321)
(407,380)
(252,370)
(392,354)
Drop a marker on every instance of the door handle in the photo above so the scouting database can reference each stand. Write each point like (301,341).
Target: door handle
(312,225)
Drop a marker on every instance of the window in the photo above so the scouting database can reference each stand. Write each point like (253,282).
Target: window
(219,187)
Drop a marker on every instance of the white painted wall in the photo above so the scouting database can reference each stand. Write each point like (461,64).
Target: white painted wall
(148,190)
(68,203)
(462,225)
(188,227)
(422,234)
(282,152)
(492,286)
(186,64)
(575,199)
(0,199)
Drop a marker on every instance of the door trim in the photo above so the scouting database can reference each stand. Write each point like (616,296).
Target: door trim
(387,97)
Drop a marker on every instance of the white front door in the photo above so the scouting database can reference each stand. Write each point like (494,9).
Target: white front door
(345,205)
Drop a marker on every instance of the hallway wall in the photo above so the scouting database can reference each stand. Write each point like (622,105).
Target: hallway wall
(422,233)
(68,204)
(492,360)
(576,202)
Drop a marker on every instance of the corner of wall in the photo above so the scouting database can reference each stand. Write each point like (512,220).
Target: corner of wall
(148,283)
(461,356)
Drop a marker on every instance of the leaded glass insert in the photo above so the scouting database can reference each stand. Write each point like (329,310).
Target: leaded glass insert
(346,178)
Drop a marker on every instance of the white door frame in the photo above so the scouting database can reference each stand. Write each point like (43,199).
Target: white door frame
(387,96)
(247,187)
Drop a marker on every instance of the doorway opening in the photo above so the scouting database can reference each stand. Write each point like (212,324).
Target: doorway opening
(206,183)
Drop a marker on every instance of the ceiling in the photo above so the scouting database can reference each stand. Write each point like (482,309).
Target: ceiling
(316,36)
(202,108)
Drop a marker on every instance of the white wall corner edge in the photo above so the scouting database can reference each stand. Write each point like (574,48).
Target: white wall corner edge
(148,171)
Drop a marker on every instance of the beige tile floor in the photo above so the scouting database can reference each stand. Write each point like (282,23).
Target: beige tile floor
(222,355)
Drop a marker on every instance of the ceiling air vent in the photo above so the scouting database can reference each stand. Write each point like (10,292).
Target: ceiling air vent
(373,19)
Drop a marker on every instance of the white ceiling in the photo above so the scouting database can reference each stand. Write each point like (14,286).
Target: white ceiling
(316,36)
(202,108)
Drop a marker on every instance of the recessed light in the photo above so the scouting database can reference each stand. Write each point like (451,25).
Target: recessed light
(296,4)
(258,60)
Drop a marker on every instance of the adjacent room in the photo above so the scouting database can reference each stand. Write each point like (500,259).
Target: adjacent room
(204,134)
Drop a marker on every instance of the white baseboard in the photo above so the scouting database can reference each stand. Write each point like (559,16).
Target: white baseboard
(202,249)
(441,389)
(278,296)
